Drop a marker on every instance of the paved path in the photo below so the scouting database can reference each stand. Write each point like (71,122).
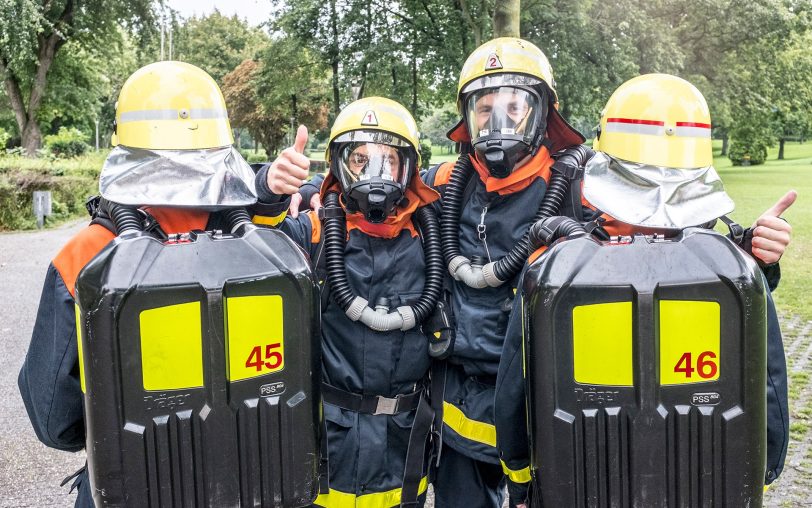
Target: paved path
(30,473)
(794,487)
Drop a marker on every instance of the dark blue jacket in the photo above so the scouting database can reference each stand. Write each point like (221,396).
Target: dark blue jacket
(367,452)
(481,314)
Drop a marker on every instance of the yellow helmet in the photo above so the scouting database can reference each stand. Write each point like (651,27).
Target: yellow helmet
(374,154)
(658,120)
(505,55)
(520,65)
(171,106)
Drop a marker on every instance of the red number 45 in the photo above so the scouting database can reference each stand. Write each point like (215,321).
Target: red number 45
(704,367)
(273,358)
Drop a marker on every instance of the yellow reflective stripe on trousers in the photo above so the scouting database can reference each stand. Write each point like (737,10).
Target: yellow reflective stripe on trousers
(480,432)
(388,499)
(266,220)
(517,476)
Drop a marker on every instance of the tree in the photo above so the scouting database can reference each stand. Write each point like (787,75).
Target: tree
(33,33)
(506,16)
(216,43)
(270,97)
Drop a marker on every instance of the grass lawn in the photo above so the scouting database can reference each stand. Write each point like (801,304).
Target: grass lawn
(754,189)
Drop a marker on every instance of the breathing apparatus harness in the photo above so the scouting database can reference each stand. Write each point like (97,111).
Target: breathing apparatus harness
(357,308)
(121,219)
(496,273)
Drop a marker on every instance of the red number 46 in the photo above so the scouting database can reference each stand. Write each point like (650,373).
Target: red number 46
(704,367)
(273,359)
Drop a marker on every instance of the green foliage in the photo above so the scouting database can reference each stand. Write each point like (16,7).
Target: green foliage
(425,155)
(71,182)
(217,43)
(748,145)
(68,142)
(4,138)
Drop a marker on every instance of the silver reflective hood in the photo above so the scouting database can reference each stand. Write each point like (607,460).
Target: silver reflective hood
(652,196)
(211,179)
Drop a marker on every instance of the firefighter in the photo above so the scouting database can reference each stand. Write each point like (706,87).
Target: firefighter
(376,245)
(653,175)
(173,150)
(510,129)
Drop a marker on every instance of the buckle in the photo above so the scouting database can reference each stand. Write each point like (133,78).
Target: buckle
(386,406)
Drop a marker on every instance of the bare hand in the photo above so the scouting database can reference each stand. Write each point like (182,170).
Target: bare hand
(771,235)
(291,168)
(296,200)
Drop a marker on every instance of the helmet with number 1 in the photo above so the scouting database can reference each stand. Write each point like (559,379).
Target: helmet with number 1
(657,120)
(506,96)
(373,154)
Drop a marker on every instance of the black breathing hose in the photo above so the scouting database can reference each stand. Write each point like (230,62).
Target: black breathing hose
(452,206)
(125,218)
(335,235)
(508,266)
(237,217)
(435,268)
(547,231)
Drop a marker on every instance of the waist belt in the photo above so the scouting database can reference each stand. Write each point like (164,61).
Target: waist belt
(370,404)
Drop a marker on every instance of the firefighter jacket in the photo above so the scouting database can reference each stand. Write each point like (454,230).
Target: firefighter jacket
(511,410)
(49,378)
(491,222)
(366,452)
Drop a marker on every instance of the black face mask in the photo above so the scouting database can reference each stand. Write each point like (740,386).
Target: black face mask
(375,197)
(501,152)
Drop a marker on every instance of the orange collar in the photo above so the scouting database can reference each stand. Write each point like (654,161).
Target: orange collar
(538,166)
(417,194)
(179,220)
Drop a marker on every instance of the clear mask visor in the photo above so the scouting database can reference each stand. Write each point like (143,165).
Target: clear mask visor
(360,161)
(509,111)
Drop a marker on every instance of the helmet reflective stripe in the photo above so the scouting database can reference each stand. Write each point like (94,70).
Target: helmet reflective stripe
(171,114)
(658,120)
(693,130)
(632,126)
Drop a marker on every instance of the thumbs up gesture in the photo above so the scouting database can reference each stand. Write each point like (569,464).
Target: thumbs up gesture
(771,234)
(291,168)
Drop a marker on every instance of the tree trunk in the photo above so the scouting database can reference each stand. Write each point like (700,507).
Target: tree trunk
(725,143)
(334,56)
(781,148)
(475,27)
(32,139)
(506,17)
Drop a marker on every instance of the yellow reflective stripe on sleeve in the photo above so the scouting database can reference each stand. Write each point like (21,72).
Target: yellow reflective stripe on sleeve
(517,476)
(480,432)
(267,220)
(79,344)
(388,499)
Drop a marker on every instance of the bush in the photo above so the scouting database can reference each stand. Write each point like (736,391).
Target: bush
(4,138)
(748,144)
(256,157)
(68,142)
(425,155)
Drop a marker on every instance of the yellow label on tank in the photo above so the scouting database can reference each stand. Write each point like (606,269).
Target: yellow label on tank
(689,341)
(172,347)
(79,344)
(255,342)
(602,344)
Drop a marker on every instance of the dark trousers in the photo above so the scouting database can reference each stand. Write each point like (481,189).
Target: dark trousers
(462,482)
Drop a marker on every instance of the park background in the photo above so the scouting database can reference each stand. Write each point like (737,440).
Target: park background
(285,62)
